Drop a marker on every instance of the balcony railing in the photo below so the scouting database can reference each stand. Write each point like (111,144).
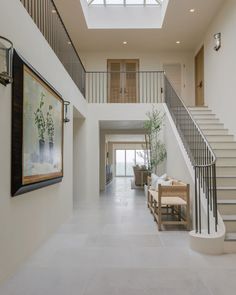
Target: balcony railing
(97,87)
(124,87)
(45,15)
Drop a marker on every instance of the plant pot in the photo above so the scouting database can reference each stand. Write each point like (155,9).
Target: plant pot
(51,152)
(41,150)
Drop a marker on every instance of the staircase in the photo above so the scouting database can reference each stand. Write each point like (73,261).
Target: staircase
(224,147)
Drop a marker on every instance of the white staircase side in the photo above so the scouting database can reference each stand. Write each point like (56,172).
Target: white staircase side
(212,243)
(224,146)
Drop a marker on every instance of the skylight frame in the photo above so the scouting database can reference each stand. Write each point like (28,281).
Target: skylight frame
(158,3)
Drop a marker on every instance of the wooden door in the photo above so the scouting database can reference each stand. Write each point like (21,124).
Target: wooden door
(199,78)
(122,81)
(131,81)
(114,81)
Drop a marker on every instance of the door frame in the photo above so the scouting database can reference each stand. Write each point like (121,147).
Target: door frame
(195,76)
(122,62)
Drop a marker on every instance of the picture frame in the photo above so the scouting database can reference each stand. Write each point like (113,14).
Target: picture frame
(37,130)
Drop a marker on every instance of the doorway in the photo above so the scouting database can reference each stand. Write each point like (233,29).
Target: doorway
(125,159)
(199,78)
(123,80)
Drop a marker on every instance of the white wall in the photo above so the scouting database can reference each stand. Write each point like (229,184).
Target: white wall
(178,164)
(27,220)
(149,61)
(103,112)
(220,77)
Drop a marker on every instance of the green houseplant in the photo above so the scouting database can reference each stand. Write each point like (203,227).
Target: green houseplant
(50,131)
(154,144)
(41,126)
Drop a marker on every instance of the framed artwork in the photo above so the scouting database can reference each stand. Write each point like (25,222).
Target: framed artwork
(37,130)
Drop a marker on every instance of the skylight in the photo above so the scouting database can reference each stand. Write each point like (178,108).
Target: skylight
(126,2)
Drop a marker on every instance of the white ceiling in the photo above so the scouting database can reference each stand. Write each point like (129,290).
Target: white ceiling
(121,125)
(179,24)
(125,138)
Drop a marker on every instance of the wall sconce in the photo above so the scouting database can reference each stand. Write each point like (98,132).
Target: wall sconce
(66,111)
(217,38)
(6,55)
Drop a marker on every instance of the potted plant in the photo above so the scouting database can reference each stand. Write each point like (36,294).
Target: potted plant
(157,149)
(41,126)
(50,131)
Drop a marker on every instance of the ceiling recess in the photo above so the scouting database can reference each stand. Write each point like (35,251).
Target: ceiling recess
(126,2)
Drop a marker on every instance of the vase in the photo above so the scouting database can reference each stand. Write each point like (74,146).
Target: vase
(41,150)
(51,152)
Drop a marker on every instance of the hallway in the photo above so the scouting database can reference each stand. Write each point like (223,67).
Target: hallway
(114,248)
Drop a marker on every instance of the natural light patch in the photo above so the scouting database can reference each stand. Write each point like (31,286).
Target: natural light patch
(126,2)
(124,14)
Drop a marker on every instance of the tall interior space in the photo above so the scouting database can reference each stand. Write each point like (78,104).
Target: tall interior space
(118,147)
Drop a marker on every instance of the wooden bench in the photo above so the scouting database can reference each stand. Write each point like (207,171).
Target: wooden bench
(170,201)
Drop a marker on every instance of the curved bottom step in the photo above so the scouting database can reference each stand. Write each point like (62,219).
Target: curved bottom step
(207,244)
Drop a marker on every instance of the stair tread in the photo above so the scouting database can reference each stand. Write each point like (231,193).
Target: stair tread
(225,149)
(230,237)
(222,149)
(218,149)
(225,166)
(225,176)
(226,157)
(231,217)
(223,135)
(221,129)
(210,123)
(226,202)
(226,187)
(198,107)
(223,141)
(219,157)
(198,114)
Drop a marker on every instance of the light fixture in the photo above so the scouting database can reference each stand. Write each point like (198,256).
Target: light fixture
(125,42)
(177,42)
(66,111)
(69,42)
(54,11)
(217,38)
(6,55)
(192,10)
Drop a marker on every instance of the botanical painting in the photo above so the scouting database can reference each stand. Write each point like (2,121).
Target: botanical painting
(37,130)
(42,130)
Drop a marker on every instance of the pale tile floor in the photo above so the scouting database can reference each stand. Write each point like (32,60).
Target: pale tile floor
(114,248)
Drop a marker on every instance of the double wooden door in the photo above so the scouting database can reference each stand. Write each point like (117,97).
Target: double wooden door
(123,81)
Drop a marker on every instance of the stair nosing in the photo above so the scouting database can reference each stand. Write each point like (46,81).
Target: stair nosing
(226,187)
(218,123)
(226,202)
(225,157)
(229,217)
(226,176)
(225,166)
